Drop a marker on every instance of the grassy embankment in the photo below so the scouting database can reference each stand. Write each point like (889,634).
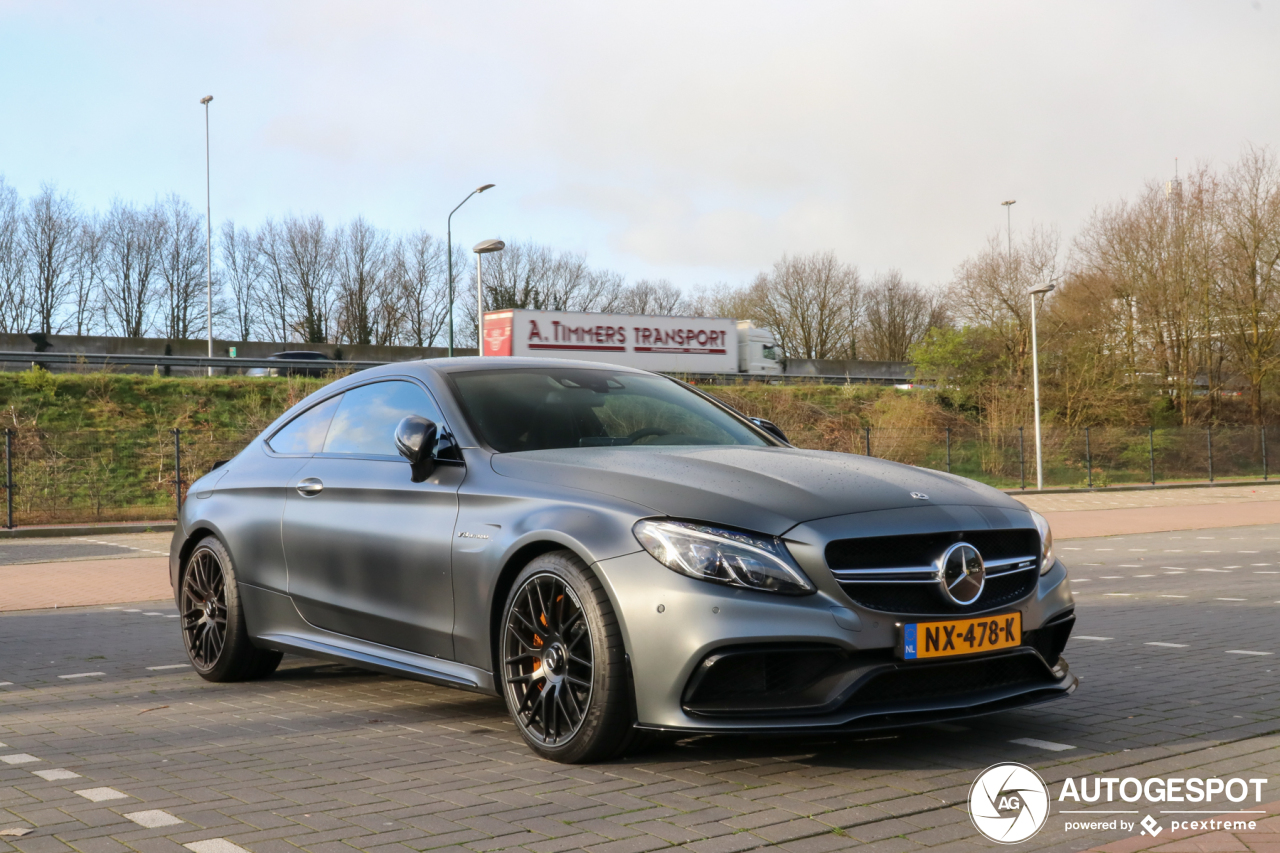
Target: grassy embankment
(103,442)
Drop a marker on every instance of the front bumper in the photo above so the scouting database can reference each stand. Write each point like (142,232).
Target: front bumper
(673,625)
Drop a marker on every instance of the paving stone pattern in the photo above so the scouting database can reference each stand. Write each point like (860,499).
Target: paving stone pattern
(329,758)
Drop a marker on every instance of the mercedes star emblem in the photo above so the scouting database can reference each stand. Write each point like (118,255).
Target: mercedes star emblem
(961,573)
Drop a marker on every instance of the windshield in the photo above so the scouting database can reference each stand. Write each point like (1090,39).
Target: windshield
(548,408)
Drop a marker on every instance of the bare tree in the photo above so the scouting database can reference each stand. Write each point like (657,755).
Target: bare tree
(182,268)
(133,245)
(812,304)
(990,291)
(242,271)
(898,314)
(419,272)
(87,277)
(15,308)
(1249,219)
(49,242)
(361,253)
(650,297)
(298,271)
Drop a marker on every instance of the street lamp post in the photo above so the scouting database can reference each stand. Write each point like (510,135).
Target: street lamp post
(208,221)
(1035,377)
(449,253)
(482,249)
(1008,209)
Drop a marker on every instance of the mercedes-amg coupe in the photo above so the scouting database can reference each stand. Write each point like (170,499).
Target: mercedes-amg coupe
(616,554)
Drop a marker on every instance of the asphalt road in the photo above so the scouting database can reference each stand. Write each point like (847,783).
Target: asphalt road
(1177,647)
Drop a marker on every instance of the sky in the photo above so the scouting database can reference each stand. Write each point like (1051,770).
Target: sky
(692,141)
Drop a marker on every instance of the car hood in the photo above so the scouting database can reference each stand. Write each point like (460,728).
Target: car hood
(769,489)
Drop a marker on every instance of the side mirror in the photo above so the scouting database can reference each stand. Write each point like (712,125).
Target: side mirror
(416,441)
(771,428)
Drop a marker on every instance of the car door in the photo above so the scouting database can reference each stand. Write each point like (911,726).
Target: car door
(368,549)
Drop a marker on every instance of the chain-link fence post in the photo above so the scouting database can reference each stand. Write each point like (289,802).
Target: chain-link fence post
(1022,458)
(1088,457)
(949,450)
(1264,453)
(1208,434)
(1151,452)
(177,469)
(8,476)
(867,435)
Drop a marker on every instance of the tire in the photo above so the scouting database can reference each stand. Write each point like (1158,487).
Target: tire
(212,619)
(563,664)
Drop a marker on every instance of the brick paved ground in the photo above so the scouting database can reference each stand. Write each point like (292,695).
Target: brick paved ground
(1089,514)
(328,759)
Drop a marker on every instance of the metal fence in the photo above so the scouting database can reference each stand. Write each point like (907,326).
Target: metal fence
(92,476)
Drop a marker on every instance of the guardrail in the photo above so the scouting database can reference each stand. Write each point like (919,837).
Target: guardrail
(92,358)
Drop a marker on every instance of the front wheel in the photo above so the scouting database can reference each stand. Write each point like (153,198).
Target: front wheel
(563,663)
(212,618)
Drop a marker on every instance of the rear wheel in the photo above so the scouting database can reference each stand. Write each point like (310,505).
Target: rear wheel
(212,619)
(563,662)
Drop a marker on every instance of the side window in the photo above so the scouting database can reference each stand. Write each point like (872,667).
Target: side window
(366,422)
(306,432)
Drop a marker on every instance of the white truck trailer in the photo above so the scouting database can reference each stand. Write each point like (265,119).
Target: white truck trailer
(662,344)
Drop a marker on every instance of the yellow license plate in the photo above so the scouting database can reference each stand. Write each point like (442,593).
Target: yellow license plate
(960,636)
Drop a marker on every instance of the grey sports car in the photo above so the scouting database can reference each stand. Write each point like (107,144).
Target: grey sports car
(616,554)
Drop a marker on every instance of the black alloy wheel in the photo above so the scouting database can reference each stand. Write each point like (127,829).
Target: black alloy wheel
(203,608)
(548,660)
(212,618)
(562,664)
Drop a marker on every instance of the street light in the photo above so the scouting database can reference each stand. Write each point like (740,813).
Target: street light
(208,221)
(481,249)
(1008,209)
(1035,376)
(449,252)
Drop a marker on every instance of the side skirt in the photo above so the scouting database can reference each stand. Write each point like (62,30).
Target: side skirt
(274,622)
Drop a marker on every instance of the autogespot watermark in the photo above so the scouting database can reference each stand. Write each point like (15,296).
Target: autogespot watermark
(1009,803)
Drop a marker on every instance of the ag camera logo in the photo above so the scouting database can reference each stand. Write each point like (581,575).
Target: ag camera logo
(1009,803)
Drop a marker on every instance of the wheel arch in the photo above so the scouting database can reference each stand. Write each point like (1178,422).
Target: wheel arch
(194,536)
(525,553)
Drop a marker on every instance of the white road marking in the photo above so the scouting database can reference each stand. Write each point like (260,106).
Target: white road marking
(1259,564)
(1072,549)
(20,758)
(1137,549)
(1083,637)
(82,675)
(1168,645)
(169,666)
(113,608)
(100,795)
(214,845)
(133,611)
(153,818)
(1173,596)
(1175,568)
(1144,576)
(171,616)
(1110,577)
(1210,552)
(1124,594)
(1231,599)
(5,683)
(1230,567)
(1042,744)
(56,775)
(153,613)
(1104,549)
(1267,573)
(1219,571)
(1246,652)
(1248,552)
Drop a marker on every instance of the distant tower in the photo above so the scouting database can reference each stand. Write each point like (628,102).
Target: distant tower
(1173,189)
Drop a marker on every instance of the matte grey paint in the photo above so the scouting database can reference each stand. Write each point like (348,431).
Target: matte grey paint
(379,588)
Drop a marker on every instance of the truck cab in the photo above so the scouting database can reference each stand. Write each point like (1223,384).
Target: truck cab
(757,350)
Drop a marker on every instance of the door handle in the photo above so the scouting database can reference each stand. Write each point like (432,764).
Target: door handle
(310,487)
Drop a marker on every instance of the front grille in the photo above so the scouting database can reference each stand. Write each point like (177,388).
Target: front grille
(926,598)
(951,681)
(893,552)
(895,574)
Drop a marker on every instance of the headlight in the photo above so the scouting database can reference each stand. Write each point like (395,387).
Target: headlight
(723,556)
(1046,541)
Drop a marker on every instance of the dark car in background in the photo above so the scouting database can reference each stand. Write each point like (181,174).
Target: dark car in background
(616,554)
(294,369)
